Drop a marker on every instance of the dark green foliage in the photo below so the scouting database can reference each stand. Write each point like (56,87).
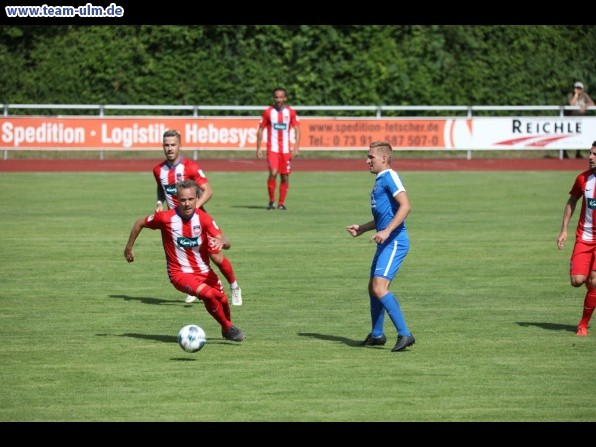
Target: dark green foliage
(317,64)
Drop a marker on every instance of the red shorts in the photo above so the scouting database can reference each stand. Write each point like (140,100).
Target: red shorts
(583,258)
(189,282)
(279,162)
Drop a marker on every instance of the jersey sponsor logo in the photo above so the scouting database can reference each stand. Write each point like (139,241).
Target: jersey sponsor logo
(280,126)
(170,189)
(187,242)
(591,203)
(196,229)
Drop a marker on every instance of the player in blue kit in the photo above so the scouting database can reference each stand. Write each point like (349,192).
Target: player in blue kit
(390,206)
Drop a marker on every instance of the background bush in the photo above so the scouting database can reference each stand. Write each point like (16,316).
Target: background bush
(318,64)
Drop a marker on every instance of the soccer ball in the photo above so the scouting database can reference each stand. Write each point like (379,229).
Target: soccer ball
(192,338)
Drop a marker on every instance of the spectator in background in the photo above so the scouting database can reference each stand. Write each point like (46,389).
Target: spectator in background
(578,97)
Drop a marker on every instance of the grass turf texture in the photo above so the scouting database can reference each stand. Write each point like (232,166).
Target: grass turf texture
(84,336)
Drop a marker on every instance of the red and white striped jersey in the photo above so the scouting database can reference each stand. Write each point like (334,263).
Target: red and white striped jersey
(585,185)
(185,241)
(166,177)
(278,124)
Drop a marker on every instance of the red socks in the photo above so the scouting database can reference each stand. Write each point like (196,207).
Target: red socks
(271,183)
(227,270)
(589,305)
(283,192)
(217,305)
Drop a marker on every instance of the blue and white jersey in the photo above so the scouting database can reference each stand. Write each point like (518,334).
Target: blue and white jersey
(383,204)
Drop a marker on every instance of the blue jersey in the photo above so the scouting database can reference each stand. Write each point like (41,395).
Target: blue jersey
(383,204)
(391,253)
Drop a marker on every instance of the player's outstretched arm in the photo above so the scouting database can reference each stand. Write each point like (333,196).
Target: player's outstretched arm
(134,233)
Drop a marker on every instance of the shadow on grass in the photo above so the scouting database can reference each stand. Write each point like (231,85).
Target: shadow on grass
(335,338)
(166,338)
(155,337)
(145,299)
(549,326)
(251,207)
(160,338)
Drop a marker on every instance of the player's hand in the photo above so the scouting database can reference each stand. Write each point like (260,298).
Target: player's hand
(129,255)
(215,244)
(561,240)
(353,230)
(380,237)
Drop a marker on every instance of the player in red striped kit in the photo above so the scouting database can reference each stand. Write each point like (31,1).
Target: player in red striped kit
(279,119)
(582,269)
(173,169)
(189,236)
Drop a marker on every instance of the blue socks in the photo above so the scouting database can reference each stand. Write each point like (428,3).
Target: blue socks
(391,305)
(377,314)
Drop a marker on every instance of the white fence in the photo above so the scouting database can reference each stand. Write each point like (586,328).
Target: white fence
(376,111)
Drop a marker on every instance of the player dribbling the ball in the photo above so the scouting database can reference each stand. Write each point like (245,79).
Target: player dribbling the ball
(189,234)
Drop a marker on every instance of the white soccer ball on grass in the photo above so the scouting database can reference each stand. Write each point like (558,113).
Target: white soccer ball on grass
(192,338)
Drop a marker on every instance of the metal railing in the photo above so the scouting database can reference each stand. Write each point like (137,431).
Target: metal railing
(376,110)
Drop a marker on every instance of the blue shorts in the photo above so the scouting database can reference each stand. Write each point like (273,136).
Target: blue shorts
(388,258)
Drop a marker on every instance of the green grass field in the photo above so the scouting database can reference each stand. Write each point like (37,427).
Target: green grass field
(85,336)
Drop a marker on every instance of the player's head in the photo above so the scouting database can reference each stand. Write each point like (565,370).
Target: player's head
(172,142)
(279,96)
(379,156)
(188,192)
(279,91)
(383,148)
(592,157)
(172,133)
(188,183)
